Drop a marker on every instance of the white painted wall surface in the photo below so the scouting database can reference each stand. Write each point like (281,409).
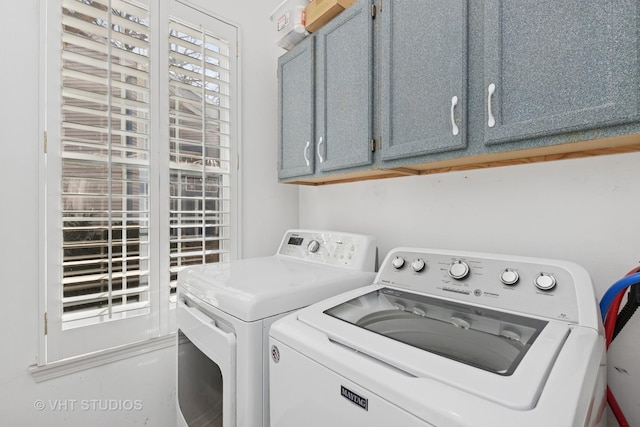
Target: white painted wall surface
(267,210)
(139,391)
(582,210)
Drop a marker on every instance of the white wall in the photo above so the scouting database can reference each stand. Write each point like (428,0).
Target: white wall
(267,210)
(583,210)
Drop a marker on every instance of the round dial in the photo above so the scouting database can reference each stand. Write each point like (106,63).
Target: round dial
(418,265)
(545,282)
(397,262)
(313,246)
(509,277)
(459,270)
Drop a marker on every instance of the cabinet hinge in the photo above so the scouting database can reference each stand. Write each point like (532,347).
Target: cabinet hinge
(373,11)
(380,6)
(45,142)
(373,145)
(46,324)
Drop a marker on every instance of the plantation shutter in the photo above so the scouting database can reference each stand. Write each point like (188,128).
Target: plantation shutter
(138,179)
(105,151)
(200,144)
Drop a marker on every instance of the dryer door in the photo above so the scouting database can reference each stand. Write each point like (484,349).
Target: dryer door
(206,369)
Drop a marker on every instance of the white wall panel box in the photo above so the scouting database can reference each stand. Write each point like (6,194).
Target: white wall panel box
(289,20)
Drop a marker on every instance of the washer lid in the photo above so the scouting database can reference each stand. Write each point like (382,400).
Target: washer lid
(257,288)
(499,356)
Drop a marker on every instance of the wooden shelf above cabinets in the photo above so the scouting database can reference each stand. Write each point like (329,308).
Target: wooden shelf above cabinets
(573,150)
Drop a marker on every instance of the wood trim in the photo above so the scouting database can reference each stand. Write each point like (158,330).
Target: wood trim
(574,150)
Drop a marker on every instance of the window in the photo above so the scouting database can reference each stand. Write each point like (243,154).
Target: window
(200,160)
(105,154)
(140,178)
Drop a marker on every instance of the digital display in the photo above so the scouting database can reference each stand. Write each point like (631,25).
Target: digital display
(296,241)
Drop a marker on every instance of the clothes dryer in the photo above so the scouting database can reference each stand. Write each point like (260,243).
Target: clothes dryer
(446,339)
(225,311)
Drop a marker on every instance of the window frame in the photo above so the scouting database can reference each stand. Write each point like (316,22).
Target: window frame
(54,345)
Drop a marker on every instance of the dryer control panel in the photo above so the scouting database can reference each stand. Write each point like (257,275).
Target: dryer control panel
(347,250)
(552,289)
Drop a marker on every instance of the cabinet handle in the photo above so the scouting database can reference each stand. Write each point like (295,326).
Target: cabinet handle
(454,127)
(320,142)
(304,153)
(492,121)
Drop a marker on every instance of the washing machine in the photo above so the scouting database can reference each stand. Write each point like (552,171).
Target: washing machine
(225,310)
(448,339)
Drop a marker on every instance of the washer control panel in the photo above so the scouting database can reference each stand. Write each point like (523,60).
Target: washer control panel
(546,288)
(348,250)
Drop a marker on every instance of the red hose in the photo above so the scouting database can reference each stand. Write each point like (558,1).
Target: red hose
(612,316)
(609,326)
(615,408)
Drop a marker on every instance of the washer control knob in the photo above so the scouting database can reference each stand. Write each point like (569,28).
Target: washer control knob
(398,262)
(545,281)
(459,270)
(418,265)
(313,246)
(509,277)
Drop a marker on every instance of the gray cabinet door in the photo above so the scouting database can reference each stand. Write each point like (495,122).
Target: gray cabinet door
(344,89)
(296,111)
(558,66)
(423,66)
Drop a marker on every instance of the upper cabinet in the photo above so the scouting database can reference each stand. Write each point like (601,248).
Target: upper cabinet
(423,77)
(344,90)
(415,86)
(295,111)
(552,67)
(326,98)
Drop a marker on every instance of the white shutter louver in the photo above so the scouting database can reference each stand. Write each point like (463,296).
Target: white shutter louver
(200,163)
(141,120)
(105,160)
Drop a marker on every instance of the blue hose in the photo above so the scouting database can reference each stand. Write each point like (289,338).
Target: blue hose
(616,288)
